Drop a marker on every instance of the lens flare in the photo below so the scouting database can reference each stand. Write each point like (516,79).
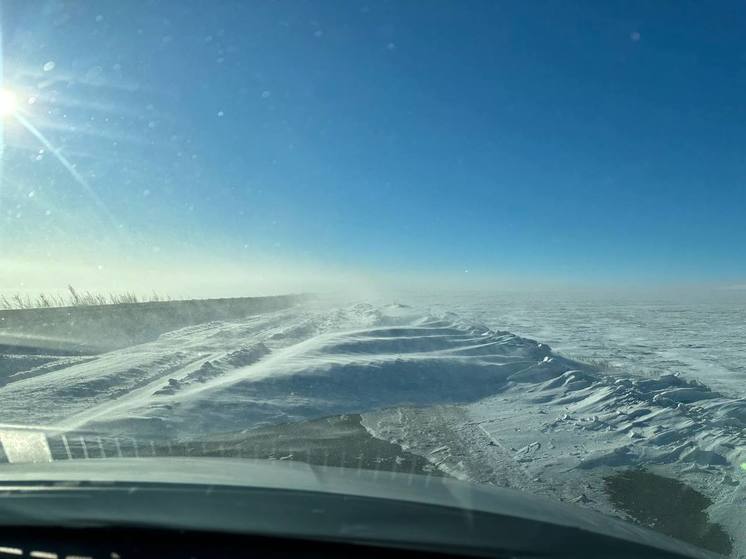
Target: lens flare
(8,102)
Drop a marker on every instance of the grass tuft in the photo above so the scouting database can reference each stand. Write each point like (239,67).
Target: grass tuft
(75,298)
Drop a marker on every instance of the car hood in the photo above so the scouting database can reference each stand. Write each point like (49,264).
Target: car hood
(207,475)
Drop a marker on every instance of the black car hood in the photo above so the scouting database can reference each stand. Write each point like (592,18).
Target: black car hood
(296,499)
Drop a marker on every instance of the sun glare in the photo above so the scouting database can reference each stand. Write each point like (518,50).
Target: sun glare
(8,102)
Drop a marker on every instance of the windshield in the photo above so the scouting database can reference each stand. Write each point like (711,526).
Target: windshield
(500,242)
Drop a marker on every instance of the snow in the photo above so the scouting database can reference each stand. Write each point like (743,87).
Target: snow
(480,403)
(275,367)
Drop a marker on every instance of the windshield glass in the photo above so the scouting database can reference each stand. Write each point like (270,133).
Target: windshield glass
(500,242)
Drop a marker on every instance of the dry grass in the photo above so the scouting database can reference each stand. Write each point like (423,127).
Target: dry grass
(75,298)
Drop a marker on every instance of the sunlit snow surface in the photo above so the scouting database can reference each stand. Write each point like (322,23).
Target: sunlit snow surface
(701,336)
(447,381)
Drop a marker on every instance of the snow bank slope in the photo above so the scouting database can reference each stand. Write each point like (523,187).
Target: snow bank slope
(281,367)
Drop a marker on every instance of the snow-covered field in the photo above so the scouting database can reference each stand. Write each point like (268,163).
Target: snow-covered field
(701,335)
(447,379)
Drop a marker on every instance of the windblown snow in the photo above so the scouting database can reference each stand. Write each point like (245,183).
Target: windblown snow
(480,404)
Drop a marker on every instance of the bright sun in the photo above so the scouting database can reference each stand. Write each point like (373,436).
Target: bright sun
(8,102)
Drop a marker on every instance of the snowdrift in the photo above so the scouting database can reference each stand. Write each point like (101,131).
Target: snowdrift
(97,328)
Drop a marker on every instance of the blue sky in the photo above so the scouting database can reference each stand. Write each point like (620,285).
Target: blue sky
(545,142)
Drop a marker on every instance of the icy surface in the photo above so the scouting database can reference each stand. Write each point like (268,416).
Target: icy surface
(478,402)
